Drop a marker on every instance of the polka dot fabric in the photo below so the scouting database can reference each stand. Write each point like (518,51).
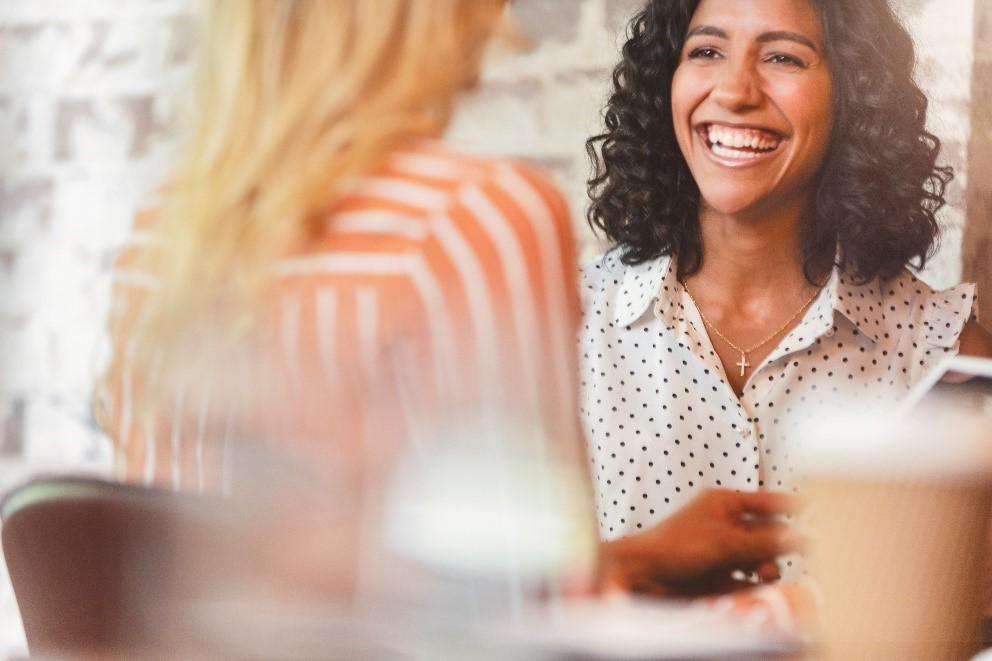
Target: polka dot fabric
(661,419)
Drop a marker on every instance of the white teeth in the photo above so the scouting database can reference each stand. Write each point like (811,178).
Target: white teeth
(738,139)
(737,154)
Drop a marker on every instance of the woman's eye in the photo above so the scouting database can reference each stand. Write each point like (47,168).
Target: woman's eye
(789,60)
(703,53)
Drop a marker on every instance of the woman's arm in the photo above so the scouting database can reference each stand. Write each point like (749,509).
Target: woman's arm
(976,341)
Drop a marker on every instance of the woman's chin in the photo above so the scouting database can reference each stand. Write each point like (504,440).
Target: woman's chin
(731,205)
(731,194)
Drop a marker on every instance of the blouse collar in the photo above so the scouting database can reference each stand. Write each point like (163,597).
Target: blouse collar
(641,286)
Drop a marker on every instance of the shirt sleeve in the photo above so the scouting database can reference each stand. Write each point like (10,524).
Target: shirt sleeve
(939,318)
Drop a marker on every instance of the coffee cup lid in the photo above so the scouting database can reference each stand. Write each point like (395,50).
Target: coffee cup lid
(931,445)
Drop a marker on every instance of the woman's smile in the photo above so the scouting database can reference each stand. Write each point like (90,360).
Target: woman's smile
(752,103)
(738,146)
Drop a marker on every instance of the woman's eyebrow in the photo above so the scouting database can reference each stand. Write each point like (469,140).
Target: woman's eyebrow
(763,38)
(707,31)
(785,35)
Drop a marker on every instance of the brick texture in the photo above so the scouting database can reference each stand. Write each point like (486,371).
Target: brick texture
(88,92)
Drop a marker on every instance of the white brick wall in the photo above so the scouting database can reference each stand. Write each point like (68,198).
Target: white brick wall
(87,91)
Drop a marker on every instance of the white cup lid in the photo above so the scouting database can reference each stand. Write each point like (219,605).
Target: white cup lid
(934,445)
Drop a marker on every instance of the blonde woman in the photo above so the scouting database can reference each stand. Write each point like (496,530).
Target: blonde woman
(326,288)
(325,280)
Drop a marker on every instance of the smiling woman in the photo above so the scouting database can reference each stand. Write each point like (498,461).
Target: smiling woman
(754,99)
(772,158)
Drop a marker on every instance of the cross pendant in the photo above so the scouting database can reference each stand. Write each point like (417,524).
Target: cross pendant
(742,363)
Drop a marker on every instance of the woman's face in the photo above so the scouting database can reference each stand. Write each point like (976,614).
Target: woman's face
(752,103)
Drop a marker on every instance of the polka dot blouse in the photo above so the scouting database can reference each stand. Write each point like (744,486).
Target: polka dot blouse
(661,419)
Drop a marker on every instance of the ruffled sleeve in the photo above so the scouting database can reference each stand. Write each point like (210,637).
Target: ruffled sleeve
(940,319)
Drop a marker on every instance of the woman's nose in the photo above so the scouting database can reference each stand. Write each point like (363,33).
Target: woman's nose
(738,87)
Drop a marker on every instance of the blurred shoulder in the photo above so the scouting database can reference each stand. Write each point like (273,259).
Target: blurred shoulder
(445,166)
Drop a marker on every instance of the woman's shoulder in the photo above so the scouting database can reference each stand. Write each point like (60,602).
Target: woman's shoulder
(447,167)
(603,264)
(911,323)
(625,290)
(938,314)
(905,307)
(600,277)
(607,270)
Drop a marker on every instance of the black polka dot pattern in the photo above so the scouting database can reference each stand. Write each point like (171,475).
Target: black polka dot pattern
(663,423)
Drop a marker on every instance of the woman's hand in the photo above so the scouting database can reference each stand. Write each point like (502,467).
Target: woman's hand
(702,548)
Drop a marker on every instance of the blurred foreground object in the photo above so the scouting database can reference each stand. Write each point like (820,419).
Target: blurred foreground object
(108,570)
(900,509)
(649,630)
(104,570)
(94,565)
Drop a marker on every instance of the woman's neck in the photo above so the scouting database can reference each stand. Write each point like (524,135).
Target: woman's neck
(750,256)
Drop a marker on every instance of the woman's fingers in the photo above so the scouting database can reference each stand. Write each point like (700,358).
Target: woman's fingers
(758,542)
(767,503)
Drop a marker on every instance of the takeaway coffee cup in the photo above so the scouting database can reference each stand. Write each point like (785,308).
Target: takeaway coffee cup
(898,515)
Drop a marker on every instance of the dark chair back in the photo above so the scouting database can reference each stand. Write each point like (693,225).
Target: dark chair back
(96,566)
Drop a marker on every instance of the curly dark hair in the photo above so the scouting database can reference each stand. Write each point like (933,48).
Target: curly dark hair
(879,187)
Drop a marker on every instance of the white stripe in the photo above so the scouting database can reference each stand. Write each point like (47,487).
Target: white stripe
(441,329)
(562,335)
(379,222)
(118,308)
(124,431)
(226,458)
(367,307)
(347,263)
(125,427)
(292,309)
(477,291)
(521,293)
(327,309)
(201,425)
(403,192)
(424,281)
(149,476)
(154,373)
(428,166)
(177,439)
(133,278)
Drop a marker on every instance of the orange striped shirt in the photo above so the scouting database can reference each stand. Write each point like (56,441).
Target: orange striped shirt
(439,300)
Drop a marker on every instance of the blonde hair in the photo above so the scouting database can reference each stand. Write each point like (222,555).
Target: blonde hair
(294,98)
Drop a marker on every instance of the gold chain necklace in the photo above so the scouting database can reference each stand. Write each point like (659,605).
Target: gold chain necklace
(742,363)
